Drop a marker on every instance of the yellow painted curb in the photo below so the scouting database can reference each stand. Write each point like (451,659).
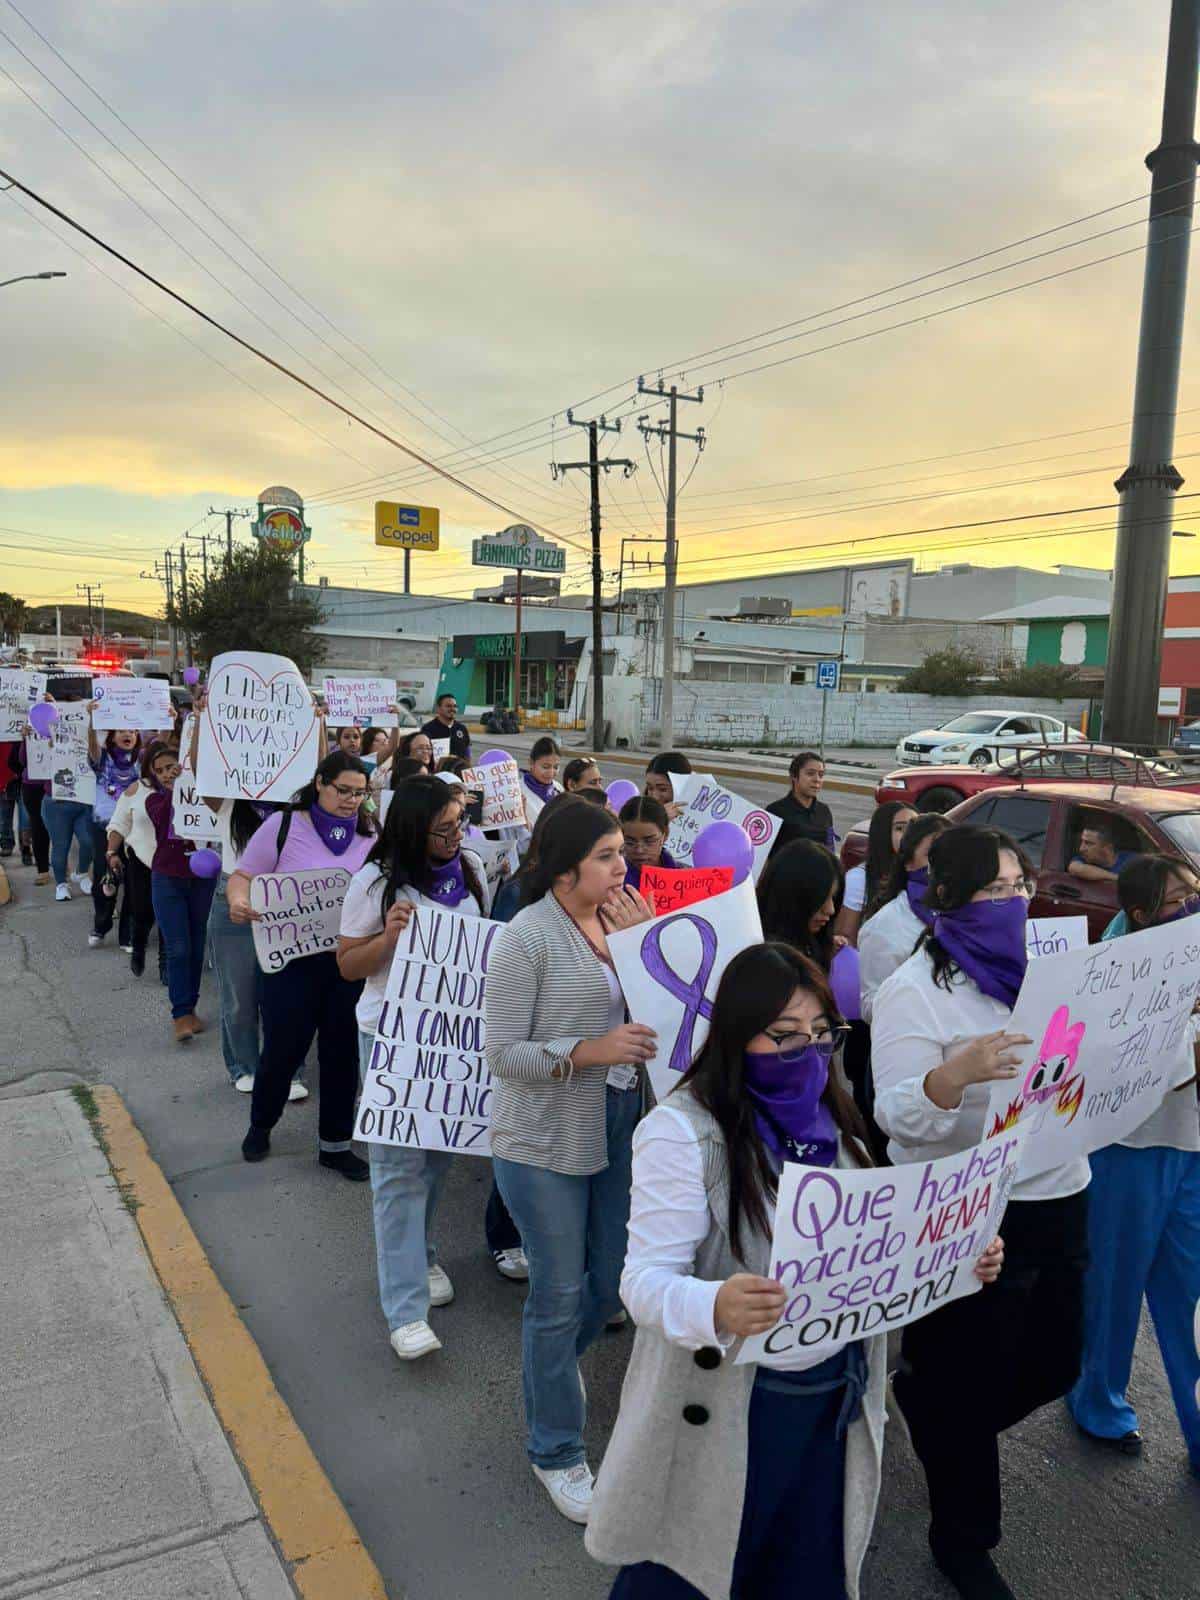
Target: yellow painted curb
(308,1520)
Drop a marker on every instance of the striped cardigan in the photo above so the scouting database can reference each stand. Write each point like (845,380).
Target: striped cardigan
(546,991)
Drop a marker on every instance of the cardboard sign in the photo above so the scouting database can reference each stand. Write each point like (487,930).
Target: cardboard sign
(500,857)
(18,691)
(503,793)
(676,887)
(670,968)
(71,775)
(301,912)
(427,1084)
(360,702)
(1052,936)
(1109,1025)
(704,800)
(39,758)
(141,703)
(441,749)
(259,734)
(190,817)
(863,1250)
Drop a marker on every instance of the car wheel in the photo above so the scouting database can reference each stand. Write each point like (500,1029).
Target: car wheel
(981,758)
(939,799)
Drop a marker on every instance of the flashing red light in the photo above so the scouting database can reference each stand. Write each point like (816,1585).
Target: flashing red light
(103,663)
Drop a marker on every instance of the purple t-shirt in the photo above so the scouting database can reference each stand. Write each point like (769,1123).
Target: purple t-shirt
(170,855)
(302,849)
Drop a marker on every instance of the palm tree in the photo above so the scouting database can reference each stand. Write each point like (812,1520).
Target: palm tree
(14,614)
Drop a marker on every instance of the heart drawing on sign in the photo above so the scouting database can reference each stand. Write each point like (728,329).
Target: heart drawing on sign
(217,688)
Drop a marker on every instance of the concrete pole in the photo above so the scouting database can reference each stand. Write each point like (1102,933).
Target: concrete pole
(667,738)
(597,593)
(1149,484)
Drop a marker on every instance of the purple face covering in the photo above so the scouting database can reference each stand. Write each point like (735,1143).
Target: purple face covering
(544,791)
(1189,908)
(786,1095)
(447,884)
(916,889)
(335,833)
(986,938)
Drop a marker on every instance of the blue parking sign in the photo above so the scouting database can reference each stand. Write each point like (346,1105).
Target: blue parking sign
(827,674)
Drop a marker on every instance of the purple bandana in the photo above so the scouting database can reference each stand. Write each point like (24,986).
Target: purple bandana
(793,1122)
(916,889)
(544,791)
(447,884)
(335,833)
(986,938)
(119,768)
(633,873)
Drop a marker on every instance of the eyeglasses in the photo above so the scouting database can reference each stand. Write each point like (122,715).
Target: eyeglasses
(344,793)
(449,834)
(793,1045)
(1026,888)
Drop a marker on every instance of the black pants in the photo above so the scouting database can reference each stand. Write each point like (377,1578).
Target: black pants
(33,794)
(104,905)
(141,907)
(309,997)
(502,1232)
(1012,1348)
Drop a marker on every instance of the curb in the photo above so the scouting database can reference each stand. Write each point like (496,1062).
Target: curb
(861,786)
(302,1510)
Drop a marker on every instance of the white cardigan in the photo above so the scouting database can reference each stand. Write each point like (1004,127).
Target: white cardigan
(129,819)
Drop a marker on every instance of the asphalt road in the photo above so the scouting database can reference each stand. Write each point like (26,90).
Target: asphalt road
(429,1458)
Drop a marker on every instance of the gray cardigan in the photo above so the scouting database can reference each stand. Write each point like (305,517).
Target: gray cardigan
(673,1480)
(546,991)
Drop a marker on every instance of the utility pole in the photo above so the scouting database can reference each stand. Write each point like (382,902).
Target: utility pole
(670,432)
(229,516)
(183,603)
(594,466)
(204,540)
(634,564)
(164,573)
(89,589)
(1151,481)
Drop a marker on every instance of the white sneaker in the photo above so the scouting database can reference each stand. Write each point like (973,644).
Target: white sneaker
(84,881)
(414,1340)
(128,949)
(441,1290)
(62,891)
(512,1264)
(245,1083)
(95,939)
(570,1488)
(296,1092)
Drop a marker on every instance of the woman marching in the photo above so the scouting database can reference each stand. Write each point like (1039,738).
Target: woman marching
(419,860)
(181,900)
(644,826)
(130,845)
(323,827)
(898,914)
(864,882)
(581,773)
(658,784)
(939,1040)
(798,899)
(117,765)
(726,1480)
(1144,1217)
(567,1098)
(540,779)
(392,769)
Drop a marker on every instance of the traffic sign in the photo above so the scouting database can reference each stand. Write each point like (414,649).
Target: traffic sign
(519,546)
(828,674)
(407,527)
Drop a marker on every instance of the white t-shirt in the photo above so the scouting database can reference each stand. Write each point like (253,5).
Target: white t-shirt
(362,916)
(915,1026)
(885,942)
(1175,1125)
(855,894)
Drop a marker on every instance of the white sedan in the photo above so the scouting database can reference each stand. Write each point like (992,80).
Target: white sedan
(976,738)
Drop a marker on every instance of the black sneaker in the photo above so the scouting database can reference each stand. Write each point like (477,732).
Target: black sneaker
(972,1572)
(256,1146)
(347,1163)
(137,963)
(26,858)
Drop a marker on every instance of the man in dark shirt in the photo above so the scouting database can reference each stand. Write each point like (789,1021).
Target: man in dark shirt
(804,815)
(444,725)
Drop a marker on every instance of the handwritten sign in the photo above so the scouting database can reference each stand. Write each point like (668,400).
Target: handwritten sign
(359,702)
(864,1250)
(71,775)
(499,858)
(1109,1025)
(141,703)
(259,734)
(39,758)
(1052,936)
(18,691)
(676,887)
(441,749)
(190,817)
(301,912)
(704,800)
(427,1084)
(670,968)
(503,797)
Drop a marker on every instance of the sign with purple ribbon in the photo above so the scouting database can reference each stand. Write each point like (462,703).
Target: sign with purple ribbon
(670,968)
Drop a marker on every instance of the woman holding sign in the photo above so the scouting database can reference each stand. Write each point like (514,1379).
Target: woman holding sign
(117,765)
(181,900)
(658,784)
(539,780)
(939,1040)
(644,826)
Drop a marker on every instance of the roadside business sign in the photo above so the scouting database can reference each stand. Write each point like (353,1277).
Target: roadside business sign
(407,527)
(519,546)
(280,522)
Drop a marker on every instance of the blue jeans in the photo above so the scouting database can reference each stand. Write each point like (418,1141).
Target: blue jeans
(66,820)
(406,1186)
(181,911)
(239,985)
(574,1230)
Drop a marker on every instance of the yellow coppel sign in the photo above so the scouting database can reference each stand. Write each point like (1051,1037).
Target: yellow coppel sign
(407,527)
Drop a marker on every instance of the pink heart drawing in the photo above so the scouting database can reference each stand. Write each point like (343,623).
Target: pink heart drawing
(214,694)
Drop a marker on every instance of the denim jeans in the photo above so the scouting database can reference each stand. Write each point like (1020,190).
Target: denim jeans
(239,985)
(406,1186)
(181,911)
(574,1230)
(9,800)
(66,820)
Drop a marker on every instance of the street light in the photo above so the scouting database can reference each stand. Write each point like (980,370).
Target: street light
(30,277)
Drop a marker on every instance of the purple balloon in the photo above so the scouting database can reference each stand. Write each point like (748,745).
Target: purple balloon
(844,981)
(204,863)
(724,844)
(620,792)
(191,676)
(42,717)
(489,758)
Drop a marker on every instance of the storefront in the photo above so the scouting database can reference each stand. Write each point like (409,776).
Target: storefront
(478,669)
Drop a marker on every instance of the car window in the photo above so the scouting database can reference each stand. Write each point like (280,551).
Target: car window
(973,722)
(1022,726)
(1023,816)
(1128,836)
(1184,828)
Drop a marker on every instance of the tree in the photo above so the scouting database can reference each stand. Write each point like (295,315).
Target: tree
(953,670)
(14,615)
(1045,680)
(250,605)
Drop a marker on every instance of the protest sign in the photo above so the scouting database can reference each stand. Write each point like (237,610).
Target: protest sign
(300,913)
(427,1084)
(1051,936)
(190,817)
(39,758)
(18,691)
(441,749)
(141,703)
(864,1250)
(704,800)
(1109,1025)
(503,798)
(260,737)
(359,702)
(676,887)
(71,775)
(670,968)
(500,857)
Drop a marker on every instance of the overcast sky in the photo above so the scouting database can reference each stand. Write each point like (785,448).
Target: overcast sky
(509,207)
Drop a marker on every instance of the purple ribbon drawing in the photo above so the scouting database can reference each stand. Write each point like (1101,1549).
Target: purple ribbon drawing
(690,992)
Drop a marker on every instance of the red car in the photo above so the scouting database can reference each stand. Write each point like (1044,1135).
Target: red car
(1046,821)
(939,788)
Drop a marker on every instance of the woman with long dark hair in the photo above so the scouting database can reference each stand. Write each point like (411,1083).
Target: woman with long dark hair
(939,1039)
(567,1077)
(658,784)
(798,898)
(181,900)
(898,914)
(864,882)
(323,827)
(117,763)
(724,1479)
(539,780)
(644,826)
(581,773)
(130,845)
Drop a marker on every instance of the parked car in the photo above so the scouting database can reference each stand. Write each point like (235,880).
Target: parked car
(939,788)
(976,738)
(1046,822)
(1187,740)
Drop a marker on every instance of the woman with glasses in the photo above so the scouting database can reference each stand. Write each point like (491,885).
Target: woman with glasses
(726,1479)
(1144,1216)
(323,827)
(939,1039)
(897,916)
